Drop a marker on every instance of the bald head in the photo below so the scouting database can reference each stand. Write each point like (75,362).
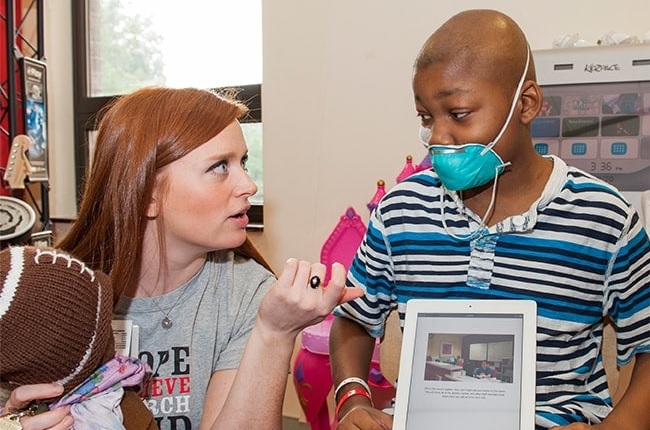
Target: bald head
(483,42)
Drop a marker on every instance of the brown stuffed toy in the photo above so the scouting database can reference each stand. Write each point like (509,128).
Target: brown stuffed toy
(55,326)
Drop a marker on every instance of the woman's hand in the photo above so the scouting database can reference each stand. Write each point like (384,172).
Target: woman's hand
(294,303)
(21,397)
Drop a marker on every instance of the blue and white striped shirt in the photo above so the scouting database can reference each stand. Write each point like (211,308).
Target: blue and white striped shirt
(580,252)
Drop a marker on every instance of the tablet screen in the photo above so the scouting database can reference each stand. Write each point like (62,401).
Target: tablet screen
(466,372)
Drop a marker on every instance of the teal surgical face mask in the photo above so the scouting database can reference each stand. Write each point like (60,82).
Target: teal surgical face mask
(467,166)
(462,167)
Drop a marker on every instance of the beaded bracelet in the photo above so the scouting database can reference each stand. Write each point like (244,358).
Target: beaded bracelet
(346,396)
(350,380)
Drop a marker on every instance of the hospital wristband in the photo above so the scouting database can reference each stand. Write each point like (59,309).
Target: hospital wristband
(346,396)
(350,380)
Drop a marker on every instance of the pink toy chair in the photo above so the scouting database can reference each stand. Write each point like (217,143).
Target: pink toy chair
(312,376)
(312,379)
(407,170)
(425,164)
(379,194)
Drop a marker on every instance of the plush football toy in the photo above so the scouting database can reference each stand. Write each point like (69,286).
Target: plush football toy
(55,326)
(55,318)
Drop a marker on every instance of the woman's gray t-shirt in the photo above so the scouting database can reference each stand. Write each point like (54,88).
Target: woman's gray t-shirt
(212,316)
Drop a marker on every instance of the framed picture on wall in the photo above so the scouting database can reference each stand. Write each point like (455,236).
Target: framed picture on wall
(446,348)
(34,84)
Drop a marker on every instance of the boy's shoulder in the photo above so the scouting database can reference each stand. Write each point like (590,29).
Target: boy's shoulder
(581,180)
(567,179)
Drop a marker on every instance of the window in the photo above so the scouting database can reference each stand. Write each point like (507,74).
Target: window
(491,351)
(121,45)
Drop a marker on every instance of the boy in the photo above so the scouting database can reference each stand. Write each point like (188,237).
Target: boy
(497,220)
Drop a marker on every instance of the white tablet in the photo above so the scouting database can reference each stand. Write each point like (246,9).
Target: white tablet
(467,364)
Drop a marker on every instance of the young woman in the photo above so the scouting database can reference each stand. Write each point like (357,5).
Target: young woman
(164,213)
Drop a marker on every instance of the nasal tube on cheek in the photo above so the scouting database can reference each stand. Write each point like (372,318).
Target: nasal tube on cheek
(425,135)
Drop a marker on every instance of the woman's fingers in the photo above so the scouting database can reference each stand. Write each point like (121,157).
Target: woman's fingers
(299,298)
(300,279)
(300,274)
(58,419)
(25,394)
(288,274)
(337,289)
(350,293)
(21,397)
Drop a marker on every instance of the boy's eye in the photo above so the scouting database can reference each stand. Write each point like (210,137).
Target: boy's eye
(424,117)
(244,162)
(458,115)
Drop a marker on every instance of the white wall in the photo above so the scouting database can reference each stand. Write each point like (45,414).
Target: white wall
(338,109)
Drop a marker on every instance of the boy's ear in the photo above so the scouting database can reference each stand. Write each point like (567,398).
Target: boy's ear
(532,100)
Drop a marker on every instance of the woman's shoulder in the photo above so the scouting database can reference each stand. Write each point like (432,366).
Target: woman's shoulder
(244,276)
(239,264)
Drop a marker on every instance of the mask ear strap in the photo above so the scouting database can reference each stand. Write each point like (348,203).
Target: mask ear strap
(488,212)
(462,238)
(512,106)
